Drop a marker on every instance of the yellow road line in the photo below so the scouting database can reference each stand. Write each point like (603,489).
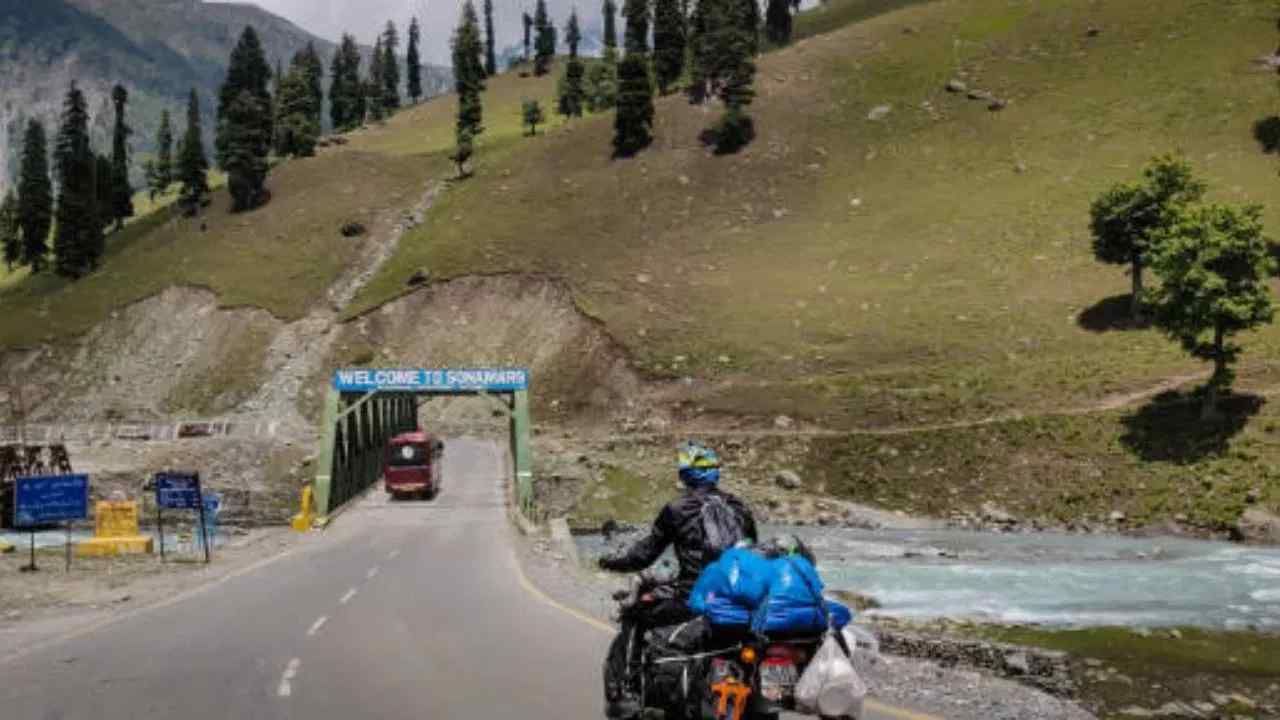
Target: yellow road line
(597,623)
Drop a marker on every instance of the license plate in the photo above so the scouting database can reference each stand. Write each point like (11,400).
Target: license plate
(777,680)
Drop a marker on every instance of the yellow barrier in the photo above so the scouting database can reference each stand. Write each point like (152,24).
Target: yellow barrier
(115,531)
(303,520)
(5,547)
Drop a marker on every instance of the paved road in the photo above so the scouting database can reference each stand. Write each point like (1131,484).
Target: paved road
(405,610)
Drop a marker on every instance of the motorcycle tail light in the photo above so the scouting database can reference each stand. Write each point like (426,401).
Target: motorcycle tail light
(748,655)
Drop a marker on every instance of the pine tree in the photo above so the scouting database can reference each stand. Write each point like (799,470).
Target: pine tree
(749,19)
(572,93)
(76,250)
(245,123)
(777,21)
(390,68)
(668,43)
(296,128)
(104,193)
(308,62)
(531,112)
(122,198)
(413,62)
(602,82)
(490,47)
(35,197)
(633,122)
(610,25)
(346,95)
(374,87)
(193,164)
(724,39)
(163,172)
(528,27)
(468,71)
(636,37)
(545,44)
(10,231)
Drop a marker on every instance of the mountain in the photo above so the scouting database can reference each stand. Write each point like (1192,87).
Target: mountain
(158,49)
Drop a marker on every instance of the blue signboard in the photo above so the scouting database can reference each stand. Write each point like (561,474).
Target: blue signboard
(50,499)
(423,380)
(178,491)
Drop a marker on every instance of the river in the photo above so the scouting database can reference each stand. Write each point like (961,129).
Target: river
(1046,578)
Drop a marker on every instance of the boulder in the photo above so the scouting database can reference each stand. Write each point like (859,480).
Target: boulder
(788,480)
(353,229)
(1260,526)
(997,105)
(419,277)
(977,94)
(993,513)
(957,86)
(879,112)
(782,422)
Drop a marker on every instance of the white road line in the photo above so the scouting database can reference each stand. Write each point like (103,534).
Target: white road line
(319,623)
(372,571)
(290,672)
(393,554)
(347,598)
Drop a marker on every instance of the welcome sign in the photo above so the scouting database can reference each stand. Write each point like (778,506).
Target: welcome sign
(432,380)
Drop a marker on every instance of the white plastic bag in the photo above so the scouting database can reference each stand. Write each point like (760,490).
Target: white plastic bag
(830,686)
(860,641)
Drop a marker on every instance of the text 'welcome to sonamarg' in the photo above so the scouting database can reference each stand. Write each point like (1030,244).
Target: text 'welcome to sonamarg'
(432,380)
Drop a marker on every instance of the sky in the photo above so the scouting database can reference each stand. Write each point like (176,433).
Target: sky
(366,18)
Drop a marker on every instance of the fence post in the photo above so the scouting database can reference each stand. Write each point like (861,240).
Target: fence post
(324,458)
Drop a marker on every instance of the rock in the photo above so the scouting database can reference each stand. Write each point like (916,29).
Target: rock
(419,277)
(1093,32)
(855,202)
(782,422)
(644,278)
(1137,712)
(1020,168)
(1017,663)
(788,480)
(684,179)
(1205,707)
(724,359)
(977,94)
(1176,634)
(879,112)
(997,105)
(1117,516)
(957,86)
(1258,525)
(1252,496)
(353,229)
(995,514)
(1243,701)
(1092,662)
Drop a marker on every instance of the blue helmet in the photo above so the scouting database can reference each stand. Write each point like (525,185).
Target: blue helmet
(698,465)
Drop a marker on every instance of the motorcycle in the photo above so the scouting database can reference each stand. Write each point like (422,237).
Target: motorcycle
(697,672)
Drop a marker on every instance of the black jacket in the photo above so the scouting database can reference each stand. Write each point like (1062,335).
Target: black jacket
(680,524)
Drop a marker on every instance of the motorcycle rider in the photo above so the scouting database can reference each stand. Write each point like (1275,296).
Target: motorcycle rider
(701,523)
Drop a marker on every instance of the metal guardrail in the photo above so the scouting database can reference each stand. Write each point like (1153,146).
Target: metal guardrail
(37,433)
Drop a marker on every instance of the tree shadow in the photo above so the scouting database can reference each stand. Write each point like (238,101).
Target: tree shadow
(1169,428)
(1110,314)
(1267,132)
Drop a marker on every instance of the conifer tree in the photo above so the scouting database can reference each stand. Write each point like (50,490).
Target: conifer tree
(245,123)
(374,88)
(468,72)
(633,122)
(724,39)
(490,47)
(528,28)
(545,44)
(35,197)
(346,94)
(296,128)
(193,164)
(10,231)
(668,43)
(636,36)
(76,249)
(531,112)
(777,22)
(572,91)
(610,25)
(308,62)
(413,62)
(104,192)
(390,68)
(121,205)
(163,168)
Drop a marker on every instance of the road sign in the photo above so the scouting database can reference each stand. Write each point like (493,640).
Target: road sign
(50,499)
(178,491)
(432,380)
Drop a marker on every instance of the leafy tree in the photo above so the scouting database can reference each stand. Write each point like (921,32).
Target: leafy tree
(35,197)
(10,230)
(163,166)
(296,128)
(490,45)
(1128,219)
(374,89)
(77,240)
(390,68)
(668,43)
(193,164)
(121,201)
(413,61)
(245,123)
(545,44)
(528,28)
(533,116)
(468,72)
(572,93)
(1214,265)
(633,122)
(777,22)
(602,82)
(346,94)
(610,25)
(245,155)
